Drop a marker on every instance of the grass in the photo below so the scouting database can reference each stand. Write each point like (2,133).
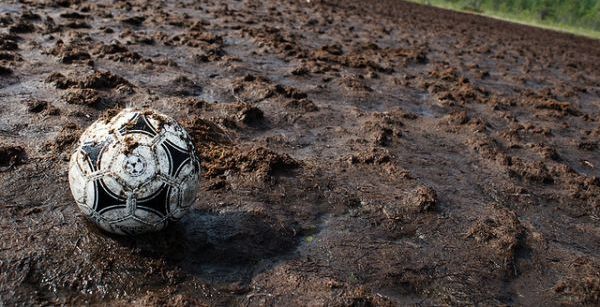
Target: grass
(514,18)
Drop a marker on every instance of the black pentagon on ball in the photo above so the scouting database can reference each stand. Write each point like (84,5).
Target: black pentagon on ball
(138,124)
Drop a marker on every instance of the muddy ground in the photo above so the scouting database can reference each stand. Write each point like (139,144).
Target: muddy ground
(353,152)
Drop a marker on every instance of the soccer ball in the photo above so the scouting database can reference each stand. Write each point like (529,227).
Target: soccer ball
(134,173)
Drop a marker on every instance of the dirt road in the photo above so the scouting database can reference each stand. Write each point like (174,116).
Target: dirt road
(353,152)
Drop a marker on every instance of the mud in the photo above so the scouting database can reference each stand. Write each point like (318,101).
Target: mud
(353,153)
(11,155)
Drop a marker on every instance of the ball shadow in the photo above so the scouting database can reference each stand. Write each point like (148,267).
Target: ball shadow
(218,247)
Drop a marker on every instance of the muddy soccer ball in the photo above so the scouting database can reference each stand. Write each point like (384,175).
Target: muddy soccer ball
(134,173)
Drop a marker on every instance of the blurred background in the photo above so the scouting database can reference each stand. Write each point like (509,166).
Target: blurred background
(576,16)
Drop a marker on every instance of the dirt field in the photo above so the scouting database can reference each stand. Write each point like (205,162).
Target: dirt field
(353,152)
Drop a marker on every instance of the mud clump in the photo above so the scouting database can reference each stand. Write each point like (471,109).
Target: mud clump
(52,111)
(252,89)
(211,53)
(22,27)
(103,80)
(195,39)
(458,118)
(305,105)
(97,80)
(531,171)
(37,106)
(585,290)
(134,20)
(77,24)
(60,81)
(206,133)
(5,71)
(324,52)
(41,106)
(11,155)
(250,115)
(289,92)
(68,54)
(256,160)
(73,15)
(119,53)
(8,42)
(557,109)
(10,56)
(62,143)
(130,145)
(68,57)
(86,96)
(419,201)
(108,114)
(384,128)
(355,83)
(300,70)
(182,86)
(424,199)
(417,55)
(446,74)
(374,156)
(588,146)
(501,232)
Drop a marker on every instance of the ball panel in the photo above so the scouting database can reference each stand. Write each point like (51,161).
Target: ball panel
(106,198)
(187,179)
(135,167)
(132,226)
(134,139)
(137,124)
(121,119)
(77,181)
(175,135)
(96,132)
(90,194)
(148,217)
(92,149)
(81,161)
(185,171)
(177,214)
(150,189)
(85,209)
(176,156)
(115,214)
(188,190)
(159,121)
(109,154)
(175,203)
(162,158)
(156,203)
(113,186)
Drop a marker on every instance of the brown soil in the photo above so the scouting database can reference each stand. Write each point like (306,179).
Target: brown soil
(354,153)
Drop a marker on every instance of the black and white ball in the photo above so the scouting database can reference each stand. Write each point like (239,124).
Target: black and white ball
(134,173)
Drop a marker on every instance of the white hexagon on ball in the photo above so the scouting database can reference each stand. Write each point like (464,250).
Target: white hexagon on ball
(134,173)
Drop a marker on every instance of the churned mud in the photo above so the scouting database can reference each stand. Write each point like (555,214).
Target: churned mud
(353,153)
